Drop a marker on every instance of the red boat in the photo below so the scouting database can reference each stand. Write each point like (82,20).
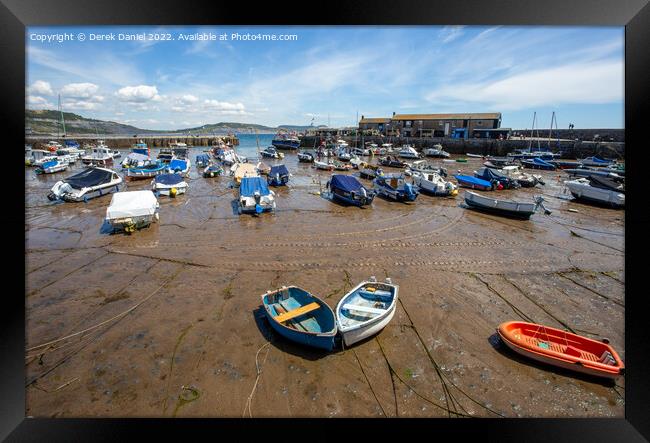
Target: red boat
(562,348)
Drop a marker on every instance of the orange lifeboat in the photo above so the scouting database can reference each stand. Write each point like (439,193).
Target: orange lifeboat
(562,348)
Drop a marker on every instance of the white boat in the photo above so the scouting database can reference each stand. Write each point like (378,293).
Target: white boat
(131,210)
(117,154)
(364,152)
(344,156)
(325,166)
(255,196)
(90,183)
(355,162)
(474,155)
(53,146)
(508,208)
(169,184)
(135,160)
(366,310)
(52,166)
(241,170)
(584,189)
(436,151)
(100,155)
(75,153)
(408,151)
(523,178)
(36,157)
(432,183)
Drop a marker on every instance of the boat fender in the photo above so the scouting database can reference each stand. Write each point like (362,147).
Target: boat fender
(605,340)
(173,192)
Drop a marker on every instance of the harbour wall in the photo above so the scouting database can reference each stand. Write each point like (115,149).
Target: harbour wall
(126,142)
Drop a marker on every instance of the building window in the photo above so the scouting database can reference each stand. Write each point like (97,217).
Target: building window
(480,122)
(408,123)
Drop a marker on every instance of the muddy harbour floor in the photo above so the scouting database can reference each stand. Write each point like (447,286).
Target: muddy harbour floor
(167,321)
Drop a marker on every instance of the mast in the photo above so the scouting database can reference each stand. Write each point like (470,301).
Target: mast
(61,111)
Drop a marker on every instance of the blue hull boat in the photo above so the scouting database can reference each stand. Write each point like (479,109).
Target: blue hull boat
(286,144)
(179,166)
(213,171)
(394,187)
(278,176)
(143,172)
(300,316)
(468,181)
(349,190)
(538,163)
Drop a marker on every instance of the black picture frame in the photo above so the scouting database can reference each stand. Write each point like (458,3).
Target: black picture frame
(633,14)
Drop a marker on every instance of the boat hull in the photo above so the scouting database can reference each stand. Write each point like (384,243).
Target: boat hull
(595,195)
(500,207)
(286,144)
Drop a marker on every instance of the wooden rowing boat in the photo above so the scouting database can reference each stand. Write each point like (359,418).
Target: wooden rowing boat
(562,348)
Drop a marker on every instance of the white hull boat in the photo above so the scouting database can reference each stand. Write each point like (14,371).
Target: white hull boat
(325,166)
(132,210)
(433,184)
(508,208)
(51,167)
(90,183)
(169,184)
(408,152)
(583,190)
(436,151)
(255,196)
(366,310)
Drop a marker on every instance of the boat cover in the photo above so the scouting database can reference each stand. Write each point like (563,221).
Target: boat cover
(279,170)
(132,204)
(490,174)
(473,180)
(202,158)
(345,182)
(250,185)
(177,164)
(89,177)
(169,179)
(606,183)
(137,157)
(539,161)
(49,164)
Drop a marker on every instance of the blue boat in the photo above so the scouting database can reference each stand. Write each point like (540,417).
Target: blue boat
(148,170)
(202,160)
(255,196)
(140,148)
(300,316)
(71,144)
(278,176)
(394,187)
(347,189)
(180,166)
(538,163)
(212,171)
(283,140)
(596,161)
(468,181)
(492,175)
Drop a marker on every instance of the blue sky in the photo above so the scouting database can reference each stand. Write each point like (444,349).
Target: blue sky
(577,72)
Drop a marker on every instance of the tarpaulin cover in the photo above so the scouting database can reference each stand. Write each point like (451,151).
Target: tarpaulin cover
(90,177)
(249,185)
(606,183)
(202,158)
(178,164)
(473,180)
(71,143)
(49,164)
(279,169)
(539,161)
(134,156)
(169,179)
(132,204)
(490,174)
(345,182)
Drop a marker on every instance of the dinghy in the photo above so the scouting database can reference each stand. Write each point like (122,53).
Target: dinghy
(325,166)
(366,310)
(436,151)
(90,183)
(255,196)
(392,162)
(598,190)
(355,162)
(596,161)
(348,189)
(468,181)
(135,160)
(524,179)
(213,171)
(131,210)
(180,166)
(507,208)
(394,187)
(340,166)
(432,183)
(278,176)
(538,163)
(51,167)
(474,155)
(408,151)
(149,169)
(165,155)
(301,317)
(241,170)
(305,157)
(169,184)
(562,348)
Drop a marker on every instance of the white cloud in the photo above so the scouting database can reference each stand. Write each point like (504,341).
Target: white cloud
(188,99)
(223,106)
(586,83)
(79,104)
(41,87)
(138,94)
(79,90)
(35,101)
(450,33)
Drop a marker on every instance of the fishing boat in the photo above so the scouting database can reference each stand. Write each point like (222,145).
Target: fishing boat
(325,166)
(53,146)
(180,150)
(436,151)
(131,210)
(538,163)
(408,151)
(598,190)
(100,155)
(213,170)
(395,187)
(301,317)
(255,196)
(432,183)
(165,155)
(135,160)
(468,181)
(90,183)
(305,157)
(140,148)
(494,176)
(596,161)
(340,166)
(587,172)
(424,166)
(169,184)
(51,167)
(507,208)
(271,152)
(149,169)
(366,310)
(562,348)
(36,157)
(347,189)
(474,155)
(369,171)
(240,170)
(202,160)
(285,140)
(180,166)
(278,176)
(344,156)
(392,162)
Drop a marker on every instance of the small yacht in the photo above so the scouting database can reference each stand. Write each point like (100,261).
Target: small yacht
(408,151)
(100,155)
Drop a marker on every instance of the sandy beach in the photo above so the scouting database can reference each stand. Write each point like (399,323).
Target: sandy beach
(167,321)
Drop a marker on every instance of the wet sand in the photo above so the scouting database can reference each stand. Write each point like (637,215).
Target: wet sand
(171,324)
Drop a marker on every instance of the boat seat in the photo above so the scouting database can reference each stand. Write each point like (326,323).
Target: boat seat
(296,312)
(351,307)
(574,352)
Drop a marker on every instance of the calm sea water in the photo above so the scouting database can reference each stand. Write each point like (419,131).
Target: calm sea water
(248,143)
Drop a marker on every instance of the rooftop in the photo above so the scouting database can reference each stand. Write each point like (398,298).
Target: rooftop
(468,116)
(374,120)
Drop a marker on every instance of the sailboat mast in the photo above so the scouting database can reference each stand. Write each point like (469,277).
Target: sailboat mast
(61,111)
